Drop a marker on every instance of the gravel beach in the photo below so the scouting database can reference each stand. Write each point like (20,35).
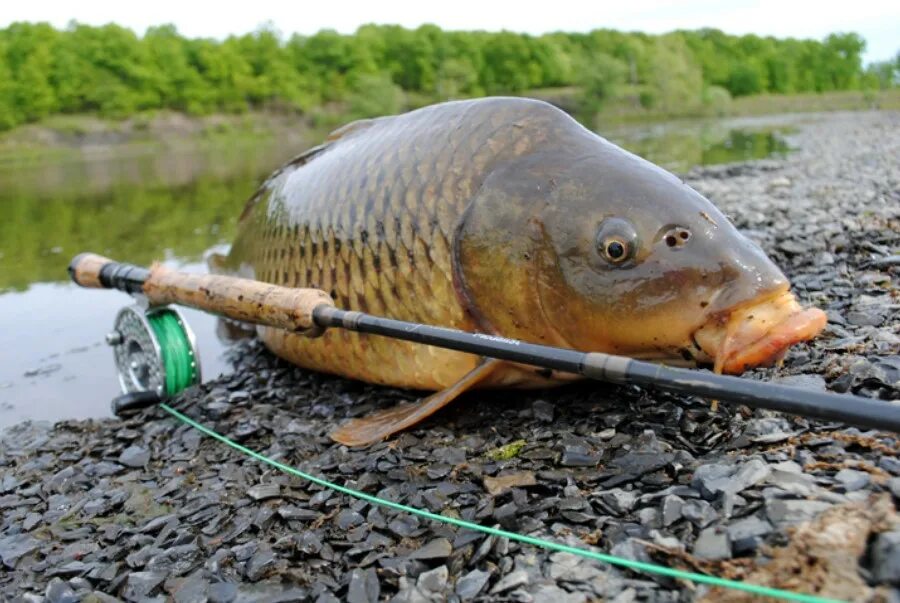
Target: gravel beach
(146,508)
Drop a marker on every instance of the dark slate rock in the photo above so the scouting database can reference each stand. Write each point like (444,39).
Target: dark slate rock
(222,592)
(470,585)
(194,589)
(851,479)
(135,457)
(15,546)
(260,564)
(59,591)
(793,511)
(264,491)
(139,585)
(886,557)
(712,543)
(364,586)
(510,581)
(439,548)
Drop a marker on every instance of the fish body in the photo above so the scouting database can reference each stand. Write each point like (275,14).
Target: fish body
(506,216)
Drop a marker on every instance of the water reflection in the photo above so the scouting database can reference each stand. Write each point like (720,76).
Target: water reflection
(143,204)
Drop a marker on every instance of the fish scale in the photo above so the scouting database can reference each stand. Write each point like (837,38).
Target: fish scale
(369,217)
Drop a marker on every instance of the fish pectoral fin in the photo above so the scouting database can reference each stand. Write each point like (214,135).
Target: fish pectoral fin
(379,425)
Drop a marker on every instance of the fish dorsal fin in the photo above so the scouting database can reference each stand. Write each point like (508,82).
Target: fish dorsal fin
(353,126)
(307,156)
(380,425)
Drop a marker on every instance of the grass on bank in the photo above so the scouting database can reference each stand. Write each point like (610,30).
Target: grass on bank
(61,136)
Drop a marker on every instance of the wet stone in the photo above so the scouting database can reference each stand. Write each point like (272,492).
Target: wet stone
(577,456)
(264,491)
(886,557)
(852,479)
(620,501)
(191,590)
(439,548)
(59,591)
(510,581)
(672,507)
(15,546)
(543,411)
(134,456)
(222,592)
(793,511)
(549,593)
(712,544)
(141,584)
(471,584)
(434,581)
(349,518)
(699,512)
(364,586)
(260,564)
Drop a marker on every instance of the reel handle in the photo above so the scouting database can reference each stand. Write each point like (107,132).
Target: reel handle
(240,299)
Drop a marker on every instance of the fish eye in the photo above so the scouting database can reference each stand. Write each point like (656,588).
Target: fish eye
(616,240)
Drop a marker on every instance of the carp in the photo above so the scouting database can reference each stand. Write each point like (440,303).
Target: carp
(505,216)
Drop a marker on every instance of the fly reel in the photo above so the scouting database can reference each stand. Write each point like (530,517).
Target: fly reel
(155,353)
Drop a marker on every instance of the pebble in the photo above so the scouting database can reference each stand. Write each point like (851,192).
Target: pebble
(471,585)
(672,506)
(434,581)
(58,591)
(510,581)
(699,512)
(134,456)
(364,586)
(620,501)
(501,484)
(439,548)
(793,511)
(259,564)
(139,585)
(712,544)
(852,479)
(886,557)
(549,593)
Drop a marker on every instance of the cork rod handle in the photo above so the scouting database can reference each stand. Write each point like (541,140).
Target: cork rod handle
(236,298)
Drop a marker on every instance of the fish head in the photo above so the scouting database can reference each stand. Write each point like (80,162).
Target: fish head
(623,257)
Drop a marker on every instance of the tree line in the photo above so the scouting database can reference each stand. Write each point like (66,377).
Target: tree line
(111,71)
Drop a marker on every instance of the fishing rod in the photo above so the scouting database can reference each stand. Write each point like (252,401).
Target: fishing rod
(156,352)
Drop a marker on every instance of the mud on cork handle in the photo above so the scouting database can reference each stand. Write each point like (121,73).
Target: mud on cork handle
(237,298)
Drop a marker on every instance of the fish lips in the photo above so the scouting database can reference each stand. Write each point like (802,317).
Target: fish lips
(758,333)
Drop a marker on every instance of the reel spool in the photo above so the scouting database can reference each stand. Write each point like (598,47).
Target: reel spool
(155,351)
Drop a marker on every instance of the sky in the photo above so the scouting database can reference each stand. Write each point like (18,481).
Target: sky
(878,21)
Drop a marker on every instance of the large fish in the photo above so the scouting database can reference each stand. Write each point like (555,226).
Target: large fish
(505,216)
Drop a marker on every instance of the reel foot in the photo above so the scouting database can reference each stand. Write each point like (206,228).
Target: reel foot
(130,403)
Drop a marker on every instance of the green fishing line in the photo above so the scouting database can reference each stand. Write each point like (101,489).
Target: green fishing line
(651,568)
(177,355)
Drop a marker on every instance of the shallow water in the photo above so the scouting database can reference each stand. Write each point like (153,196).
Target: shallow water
(142,204)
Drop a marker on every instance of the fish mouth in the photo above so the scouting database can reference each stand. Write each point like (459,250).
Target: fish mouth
(758,333)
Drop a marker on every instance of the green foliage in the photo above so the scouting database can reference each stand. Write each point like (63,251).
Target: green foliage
(601,76)
(881,75)
(675,80)
(716,99)
(374,95)
(112,72)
